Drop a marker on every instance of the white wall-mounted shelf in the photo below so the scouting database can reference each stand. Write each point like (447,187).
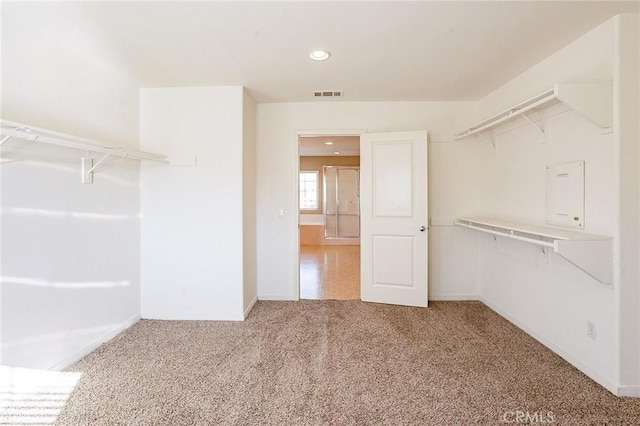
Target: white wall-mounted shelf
(10,129)
(591,253)
(594,100)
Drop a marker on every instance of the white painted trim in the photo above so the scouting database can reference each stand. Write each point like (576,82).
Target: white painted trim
(189,316)
(276,297)
(576,362)
(95,344)
(305,133)
(331,132)
(253,302)
(453,297)
(629,391)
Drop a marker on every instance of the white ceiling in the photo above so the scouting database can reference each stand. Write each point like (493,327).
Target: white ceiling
(381,51)
(316,146)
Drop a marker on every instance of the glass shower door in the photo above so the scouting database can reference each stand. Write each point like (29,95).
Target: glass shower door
(342,202)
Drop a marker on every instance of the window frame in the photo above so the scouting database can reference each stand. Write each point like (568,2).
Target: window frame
(317,190)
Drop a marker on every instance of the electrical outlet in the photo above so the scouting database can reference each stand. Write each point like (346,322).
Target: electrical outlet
(592,331)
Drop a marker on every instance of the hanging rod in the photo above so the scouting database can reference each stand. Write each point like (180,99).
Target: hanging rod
(11,129)
(591,253)
(592,99)
(511,113)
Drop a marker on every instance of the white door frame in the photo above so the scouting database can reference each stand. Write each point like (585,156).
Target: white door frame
(302,133)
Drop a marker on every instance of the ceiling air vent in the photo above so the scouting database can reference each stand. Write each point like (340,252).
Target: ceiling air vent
(327,94)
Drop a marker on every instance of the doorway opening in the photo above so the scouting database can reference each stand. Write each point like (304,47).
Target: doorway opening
(329,212)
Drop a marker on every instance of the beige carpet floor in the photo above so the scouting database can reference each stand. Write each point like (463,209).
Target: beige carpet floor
(337,363)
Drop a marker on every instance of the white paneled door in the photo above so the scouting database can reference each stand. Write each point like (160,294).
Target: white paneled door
(394,234)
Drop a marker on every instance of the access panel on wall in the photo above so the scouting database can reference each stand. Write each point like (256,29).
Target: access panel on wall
(565,194)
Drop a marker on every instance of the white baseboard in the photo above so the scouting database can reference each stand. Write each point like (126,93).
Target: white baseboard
(253,302)
(453,297)
(192,316)
(630,391)
(95,344)
(576,362)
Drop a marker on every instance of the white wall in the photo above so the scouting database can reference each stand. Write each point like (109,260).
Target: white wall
(453,167)
(70,259)
(70,252)
(250,295)
(554,301)
(65,77)
(628,131)
(192,244)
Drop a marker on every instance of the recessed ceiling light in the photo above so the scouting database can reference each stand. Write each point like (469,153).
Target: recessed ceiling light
(319,55)
(328,143)
(337,152)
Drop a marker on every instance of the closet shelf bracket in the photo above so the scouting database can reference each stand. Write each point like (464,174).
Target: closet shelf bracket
(9,129)
(491,140)
(545,253)
(87,163)
(593,100)
(591,253)
(540,130)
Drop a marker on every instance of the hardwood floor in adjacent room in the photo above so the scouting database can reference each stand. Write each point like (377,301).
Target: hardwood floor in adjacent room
(330,272)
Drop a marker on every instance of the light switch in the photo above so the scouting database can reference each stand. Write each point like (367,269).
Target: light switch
(281,212)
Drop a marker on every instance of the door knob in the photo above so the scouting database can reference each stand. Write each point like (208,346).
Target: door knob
(422,228)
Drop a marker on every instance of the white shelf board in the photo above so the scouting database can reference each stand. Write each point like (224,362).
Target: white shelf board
(37,134)
(592,253)
(538,230)
(594,100)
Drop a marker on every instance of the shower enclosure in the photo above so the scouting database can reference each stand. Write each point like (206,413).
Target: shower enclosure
(341,202)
